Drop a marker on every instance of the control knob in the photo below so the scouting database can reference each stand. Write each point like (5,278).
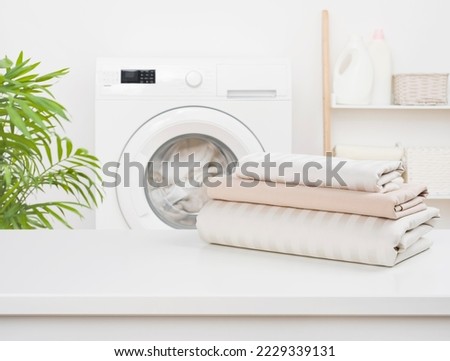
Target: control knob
(194,79)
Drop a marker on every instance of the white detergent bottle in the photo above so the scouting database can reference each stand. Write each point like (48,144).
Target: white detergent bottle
(382,68)
(353,74)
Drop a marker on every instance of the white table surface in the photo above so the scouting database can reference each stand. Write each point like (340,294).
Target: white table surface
(175,273)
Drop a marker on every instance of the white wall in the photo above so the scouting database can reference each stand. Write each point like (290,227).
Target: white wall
(74,33)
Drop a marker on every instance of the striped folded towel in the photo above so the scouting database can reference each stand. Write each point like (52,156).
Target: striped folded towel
(339,236)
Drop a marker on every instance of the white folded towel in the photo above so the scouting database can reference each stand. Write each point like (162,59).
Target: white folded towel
(315,170)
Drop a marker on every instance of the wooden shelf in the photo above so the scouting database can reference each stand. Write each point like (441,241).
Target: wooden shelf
(329,100)
(391,107)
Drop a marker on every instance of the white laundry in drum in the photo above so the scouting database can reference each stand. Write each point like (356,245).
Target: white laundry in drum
(181,192)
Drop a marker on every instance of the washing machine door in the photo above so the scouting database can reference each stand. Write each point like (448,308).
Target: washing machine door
(164,164)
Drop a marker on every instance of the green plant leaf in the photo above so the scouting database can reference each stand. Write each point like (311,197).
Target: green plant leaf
(7,175)
(42,218)
(27,78)
(56,216)
(48,151)
(17,120)
(47,105)
(19,58)
(67,206)
(5,63)
(20,70)
(60,149)
(55,74)
(93,164)
(17,141)
(69,146)
(36,116)
(55,107)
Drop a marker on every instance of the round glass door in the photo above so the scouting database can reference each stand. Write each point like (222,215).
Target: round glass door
(175,175)
(163,194)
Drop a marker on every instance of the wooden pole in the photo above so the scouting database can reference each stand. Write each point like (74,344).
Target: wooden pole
(326,95)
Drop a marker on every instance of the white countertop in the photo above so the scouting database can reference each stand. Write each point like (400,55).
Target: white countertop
(175,273)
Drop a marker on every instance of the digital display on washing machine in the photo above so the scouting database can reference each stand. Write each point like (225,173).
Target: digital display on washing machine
(132,76)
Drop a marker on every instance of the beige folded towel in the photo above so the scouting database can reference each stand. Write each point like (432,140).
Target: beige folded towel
(346,237)
(408,199)
(359,175)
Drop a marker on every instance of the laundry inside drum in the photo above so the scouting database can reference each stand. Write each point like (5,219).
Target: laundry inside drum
(175,175)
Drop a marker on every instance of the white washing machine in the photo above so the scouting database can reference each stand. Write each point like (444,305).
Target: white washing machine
(150,111)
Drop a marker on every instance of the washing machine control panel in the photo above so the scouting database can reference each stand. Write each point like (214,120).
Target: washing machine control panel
(134,76)
(221,79)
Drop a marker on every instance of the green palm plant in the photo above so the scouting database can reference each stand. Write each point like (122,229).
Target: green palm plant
(34,156)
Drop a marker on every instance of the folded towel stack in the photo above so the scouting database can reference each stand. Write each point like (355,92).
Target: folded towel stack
(362,213)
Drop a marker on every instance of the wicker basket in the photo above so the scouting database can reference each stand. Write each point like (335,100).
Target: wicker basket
(420,89)
(430,166)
